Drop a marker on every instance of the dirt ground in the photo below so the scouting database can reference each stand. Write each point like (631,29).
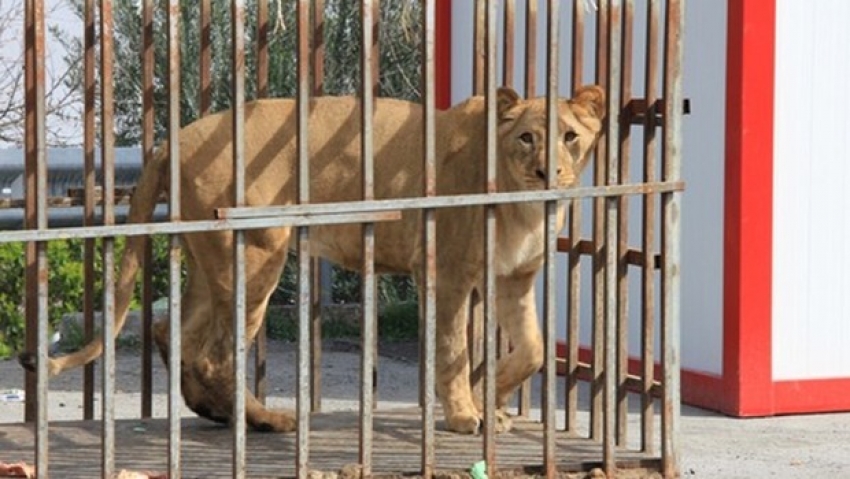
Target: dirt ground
(713,445)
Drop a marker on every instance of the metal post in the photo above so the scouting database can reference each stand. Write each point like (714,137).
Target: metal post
(671,237)
(238,420)
(175,402)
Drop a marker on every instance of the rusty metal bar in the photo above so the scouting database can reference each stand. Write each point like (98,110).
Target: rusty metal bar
(479,48)
(262,47)
(627,32)
(649,213)
(89,201)
(30,218)
(475,326)
(180,227)
(598,288)
(429,239)
(205,63)
(549,402)
(574,256)
(609,439)
(107,151)
(147,59)
(489,293)
(317,60)
(175,402)
(303,245)
(238,420)
(444,201)
(368,331)
(671,237)
(509,43)
(530,92)
(318,49)
(37,267)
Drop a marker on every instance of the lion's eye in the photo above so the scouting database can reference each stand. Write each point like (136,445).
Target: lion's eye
(527,138)
(570,136)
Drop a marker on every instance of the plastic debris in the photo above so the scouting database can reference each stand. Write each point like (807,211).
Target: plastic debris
(12,395)
(478,470)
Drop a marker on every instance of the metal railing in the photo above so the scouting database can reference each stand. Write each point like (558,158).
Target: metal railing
(606,363)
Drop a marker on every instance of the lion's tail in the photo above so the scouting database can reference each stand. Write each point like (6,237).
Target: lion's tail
(142,207)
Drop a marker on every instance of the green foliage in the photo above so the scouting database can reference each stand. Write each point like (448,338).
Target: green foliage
(399,36)
(65,284)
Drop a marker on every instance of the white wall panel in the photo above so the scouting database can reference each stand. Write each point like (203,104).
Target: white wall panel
(811,204)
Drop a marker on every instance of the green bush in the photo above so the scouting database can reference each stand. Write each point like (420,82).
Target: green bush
(396,294)
(65,284)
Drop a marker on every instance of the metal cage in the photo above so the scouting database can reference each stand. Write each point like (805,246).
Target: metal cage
(575,437)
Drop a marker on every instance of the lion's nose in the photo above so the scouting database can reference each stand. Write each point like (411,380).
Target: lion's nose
(541,173)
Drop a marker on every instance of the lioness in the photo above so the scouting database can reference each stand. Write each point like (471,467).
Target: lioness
(334,146)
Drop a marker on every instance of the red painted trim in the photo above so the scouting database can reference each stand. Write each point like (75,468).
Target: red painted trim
(708,391)
(748,208)
(812,395)
(443,54)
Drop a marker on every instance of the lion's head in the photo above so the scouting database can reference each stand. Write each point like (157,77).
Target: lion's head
(522,137)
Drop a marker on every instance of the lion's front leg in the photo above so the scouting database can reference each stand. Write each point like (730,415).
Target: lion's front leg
(517,314)
(452,361)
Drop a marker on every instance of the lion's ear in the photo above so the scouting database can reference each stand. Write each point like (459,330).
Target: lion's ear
(506,98)
(592,99)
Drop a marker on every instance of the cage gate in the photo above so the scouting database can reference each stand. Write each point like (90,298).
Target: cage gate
(580,421)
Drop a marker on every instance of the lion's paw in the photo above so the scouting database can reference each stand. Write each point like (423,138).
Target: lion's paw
(464,423)
(273,421)
(504,421)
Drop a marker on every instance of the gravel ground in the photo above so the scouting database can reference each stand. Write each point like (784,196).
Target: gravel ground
(712,445)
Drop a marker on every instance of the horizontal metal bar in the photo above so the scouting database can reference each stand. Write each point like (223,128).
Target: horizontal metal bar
(449,201)
(72,216)
(180,227)
(634,257)
(637,108)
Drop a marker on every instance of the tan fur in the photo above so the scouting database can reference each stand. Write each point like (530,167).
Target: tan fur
(334,147)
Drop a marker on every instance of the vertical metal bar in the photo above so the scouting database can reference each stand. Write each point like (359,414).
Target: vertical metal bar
(107,152)
(30,210)
(147,59)
(490,245)
(671,236)
(37,309)
(318,50)
(509,43)
(599,178)
(237,30)
(549,308)
(303,245)
(89,200)
(317,59)
(479,50)
(648,241)
(205,64)
(614,51)
(574,255)
(260,341)
(475,325)
(530,92)
(623,225)
(429,169)
(175,402)
(368,324)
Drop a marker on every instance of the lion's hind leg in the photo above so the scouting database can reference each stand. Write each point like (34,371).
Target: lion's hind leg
(208,341)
